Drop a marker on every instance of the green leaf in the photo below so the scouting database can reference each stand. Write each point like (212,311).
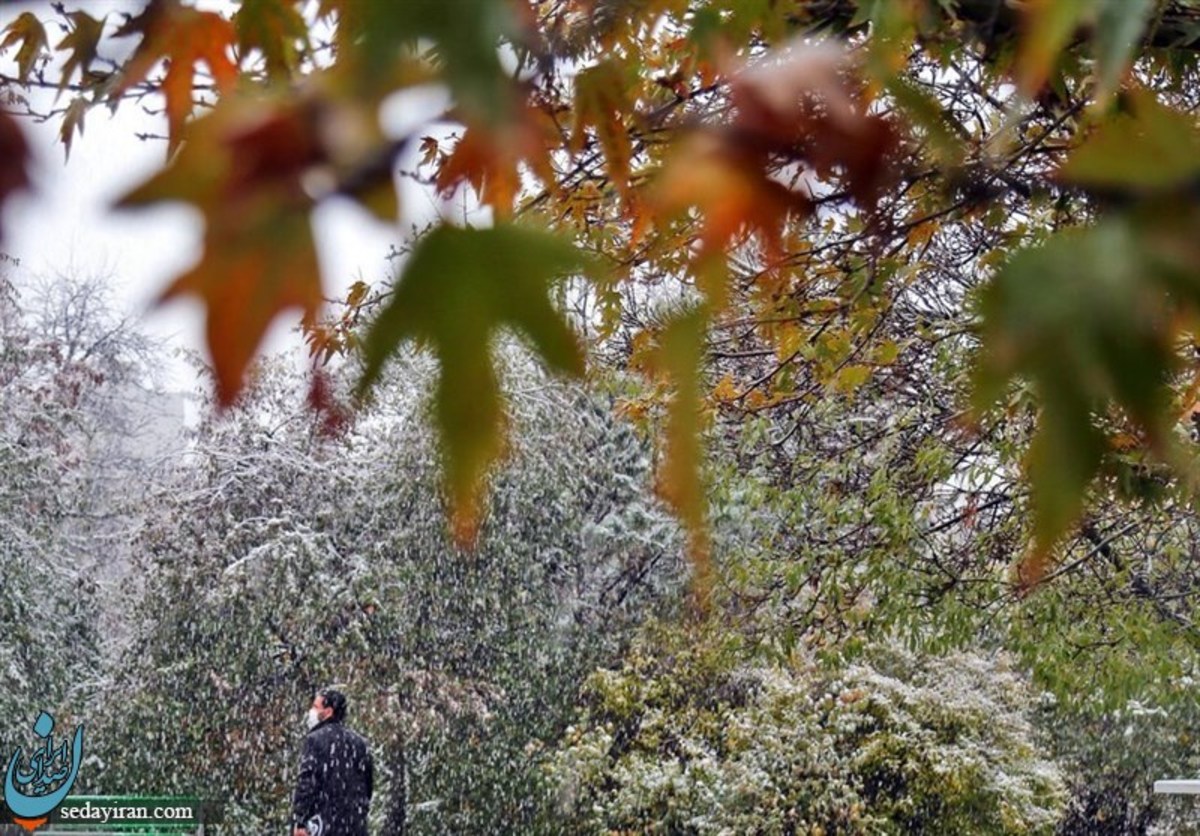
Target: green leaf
(1119,28)
(273,27)
(458,288)
(944,134)
(1051,24)
(1151,146)
(1089,319)
(1063,458)
(465,39)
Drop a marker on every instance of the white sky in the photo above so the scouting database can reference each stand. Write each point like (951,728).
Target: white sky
(66,225)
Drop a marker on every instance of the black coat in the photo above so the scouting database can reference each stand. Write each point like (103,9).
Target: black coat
(337,777)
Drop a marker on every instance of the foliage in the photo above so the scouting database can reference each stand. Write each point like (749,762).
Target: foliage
(1114,756)
(920,274)
(280,559)
(684,742)
(801,187)
(68,367)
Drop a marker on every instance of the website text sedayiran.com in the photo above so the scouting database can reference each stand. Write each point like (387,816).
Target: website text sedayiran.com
(127,812)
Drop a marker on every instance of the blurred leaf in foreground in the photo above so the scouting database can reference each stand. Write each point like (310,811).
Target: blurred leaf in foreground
(676,357)
(1091,319)
(243,167)
(14,158)
(459,287)
(1147,146)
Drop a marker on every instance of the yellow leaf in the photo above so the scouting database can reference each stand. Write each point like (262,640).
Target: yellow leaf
(28,31)
(886,353)
(788,339)
(601,102)
(726,390)
(850,378)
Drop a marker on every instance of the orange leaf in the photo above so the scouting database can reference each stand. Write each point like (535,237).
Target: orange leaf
(799,104)
(183,36)
(733,193)
(488,157)
(726,390)
(257,263)
(1049,26)
(242,167)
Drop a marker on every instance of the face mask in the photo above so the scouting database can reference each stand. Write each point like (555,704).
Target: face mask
(311,719)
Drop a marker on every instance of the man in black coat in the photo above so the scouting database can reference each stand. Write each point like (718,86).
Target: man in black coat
(337,774)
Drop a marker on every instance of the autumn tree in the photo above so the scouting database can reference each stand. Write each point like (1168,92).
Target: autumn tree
(921,274)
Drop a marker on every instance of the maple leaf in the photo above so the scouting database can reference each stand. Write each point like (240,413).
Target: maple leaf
(273,27)
(799,103)
(429,150)
(29,32)
(487,157)
(1146,146)
(676,356)
(734,195)
(600,101)
(463,37)
(796,106)
(1058,315)
(72,122)
(183,36)
(82,41)
(257,263)
(14,158)
(242,167)
(1051,25)
(459,287)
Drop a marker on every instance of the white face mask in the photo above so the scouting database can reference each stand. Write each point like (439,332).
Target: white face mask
(312,719)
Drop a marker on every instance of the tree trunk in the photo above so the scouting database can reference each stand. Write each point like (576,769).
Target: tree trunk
(396,823)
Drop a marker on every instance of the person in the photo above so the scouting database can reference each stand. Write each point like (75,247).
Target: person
(337,773)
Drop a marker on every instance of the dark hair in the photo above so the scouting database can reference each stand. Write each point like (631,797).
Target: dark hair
(336,700)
